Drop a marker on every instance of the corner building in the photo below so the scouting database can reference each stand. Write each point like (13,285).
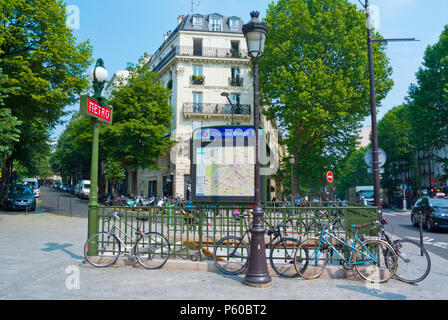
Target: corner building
(204,56)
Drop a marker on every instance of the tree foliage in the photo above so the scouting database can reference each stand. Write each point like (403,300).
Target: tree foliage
(394,133)
(39,54)
(314,75)
(428,98)
(142,120)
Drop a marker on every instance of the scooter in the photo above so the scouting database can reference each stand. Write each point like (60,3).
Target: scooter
(141,201)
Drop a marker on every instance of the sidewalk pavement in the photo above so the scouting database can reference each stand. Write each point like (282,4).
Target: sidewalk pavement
(42,258)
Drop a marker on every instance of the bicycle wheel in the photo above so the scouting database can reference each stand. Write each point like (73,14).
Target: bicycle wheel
(152,250)
(102,249)
(414,262)
(282,257)
(311,258)
(375,261)
(231,255)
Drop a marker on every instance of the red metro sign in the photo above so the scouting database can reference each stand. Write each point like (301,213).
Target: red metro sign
(330,176)
(92,108)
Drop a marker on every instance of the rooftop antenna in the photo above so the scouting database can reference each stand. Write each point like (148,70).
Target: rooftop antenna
(194,3)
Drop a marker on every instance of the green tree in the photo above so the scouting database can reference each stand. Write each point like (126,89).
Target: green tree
(352,171)
(114,173)
(428,98)
(141,121)
(314,75)
(72,156)
(394,134)
(39,54)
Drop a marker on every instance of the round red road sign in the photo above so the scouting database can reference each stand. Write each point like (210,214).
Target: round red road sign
(330,176)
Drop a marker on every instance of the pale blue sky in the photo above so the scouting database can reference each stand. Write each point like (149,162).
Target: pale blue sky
(121,31)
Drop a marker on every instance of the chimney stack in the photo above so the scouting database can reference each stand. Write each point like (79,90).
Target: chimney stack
(180,19)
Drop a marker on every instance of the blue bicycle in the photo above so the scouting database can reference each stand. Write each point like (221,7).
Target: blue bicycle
(374,259)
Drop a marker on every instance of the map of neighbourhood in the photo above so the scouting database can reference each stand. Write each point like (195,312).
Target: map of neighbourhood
(225,171)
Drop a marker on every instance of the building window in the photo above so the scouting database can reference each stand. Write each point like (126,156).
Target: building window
(235,49)
(197,101)
(197,21)
(152,188)
(197,77)
(197,47)
(197,70)
(215,24)
(234,23)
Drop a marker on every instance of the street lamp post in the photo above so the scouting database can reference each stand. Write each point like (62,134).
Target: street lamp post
(98,76)
(258,275)
(226,94)
(291,162)
(375,161)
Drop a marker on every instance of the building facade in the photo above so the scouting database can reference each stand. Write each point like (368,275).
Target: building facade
(204,57)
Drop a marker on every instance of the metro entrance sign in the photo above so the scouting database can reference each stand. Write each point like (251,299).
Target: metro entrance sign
(330,176)
(91,107)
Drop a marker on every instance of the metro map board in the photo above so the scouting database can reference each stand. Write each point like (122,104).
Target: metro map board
(93,108)
(223,164)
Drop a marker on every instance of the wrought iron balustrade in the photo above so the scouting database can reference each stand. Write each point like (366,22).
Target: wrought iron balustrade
(216,108)
(236,82)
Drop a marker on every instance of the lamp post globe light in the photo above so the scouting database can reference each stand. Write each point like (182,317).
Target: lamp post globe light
(98,76)
(258,275)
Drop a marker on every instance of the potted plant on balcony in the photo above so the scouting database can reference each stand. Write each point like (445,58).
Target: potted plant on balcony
(235,53)
(235,81)
(197,79)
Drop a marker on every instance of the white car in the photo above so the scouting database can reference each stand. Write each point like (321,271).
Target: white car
(84,189)
(34,185)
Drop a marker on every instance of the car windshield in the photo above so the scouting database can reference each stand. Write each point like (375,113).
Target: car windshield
(441,203)
(367,194)
(20,191)
(86,186)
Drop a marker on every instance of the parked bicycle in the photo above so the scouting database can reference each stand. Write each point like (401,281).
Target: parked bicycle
(151,249)
(231,253)
(414,262)
(374,259)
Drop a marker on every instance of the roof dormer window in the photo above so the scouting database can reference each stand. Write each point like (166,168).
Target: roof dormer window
(215,23)
(234,23)
(197,20)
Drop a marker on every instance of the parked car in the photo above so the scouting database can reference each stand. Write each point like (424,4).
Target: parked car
(64,186)
(34,185)
(84,189)
(19,197)
(432,211)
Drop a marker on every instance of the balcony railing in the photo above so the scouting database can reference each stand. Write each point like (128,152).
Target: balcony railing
(215,108)
(236,82)
(211,52)
(200,52)
(197,79)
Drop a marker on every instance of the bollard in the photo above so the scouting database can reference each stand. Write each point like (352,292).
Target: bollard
(421,233)
(57,207)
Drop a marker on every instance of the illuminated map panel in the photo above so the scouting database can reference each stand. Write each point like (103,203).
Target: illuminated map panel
(225,171)
(223,164)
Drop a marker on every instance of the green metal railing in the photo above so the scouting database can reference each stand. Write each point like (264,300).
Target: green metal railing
(193,232)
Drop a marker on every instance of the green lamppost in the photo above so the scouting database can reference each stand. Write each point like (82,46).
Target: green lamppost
(99,77)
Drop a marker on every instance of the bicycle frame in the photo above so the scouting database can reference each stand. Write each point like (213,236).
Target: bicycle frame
(112,231)
(367,254)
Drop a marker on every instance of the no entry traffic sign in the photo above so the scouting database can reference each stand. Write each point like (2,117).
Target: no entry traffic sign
(330,176)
